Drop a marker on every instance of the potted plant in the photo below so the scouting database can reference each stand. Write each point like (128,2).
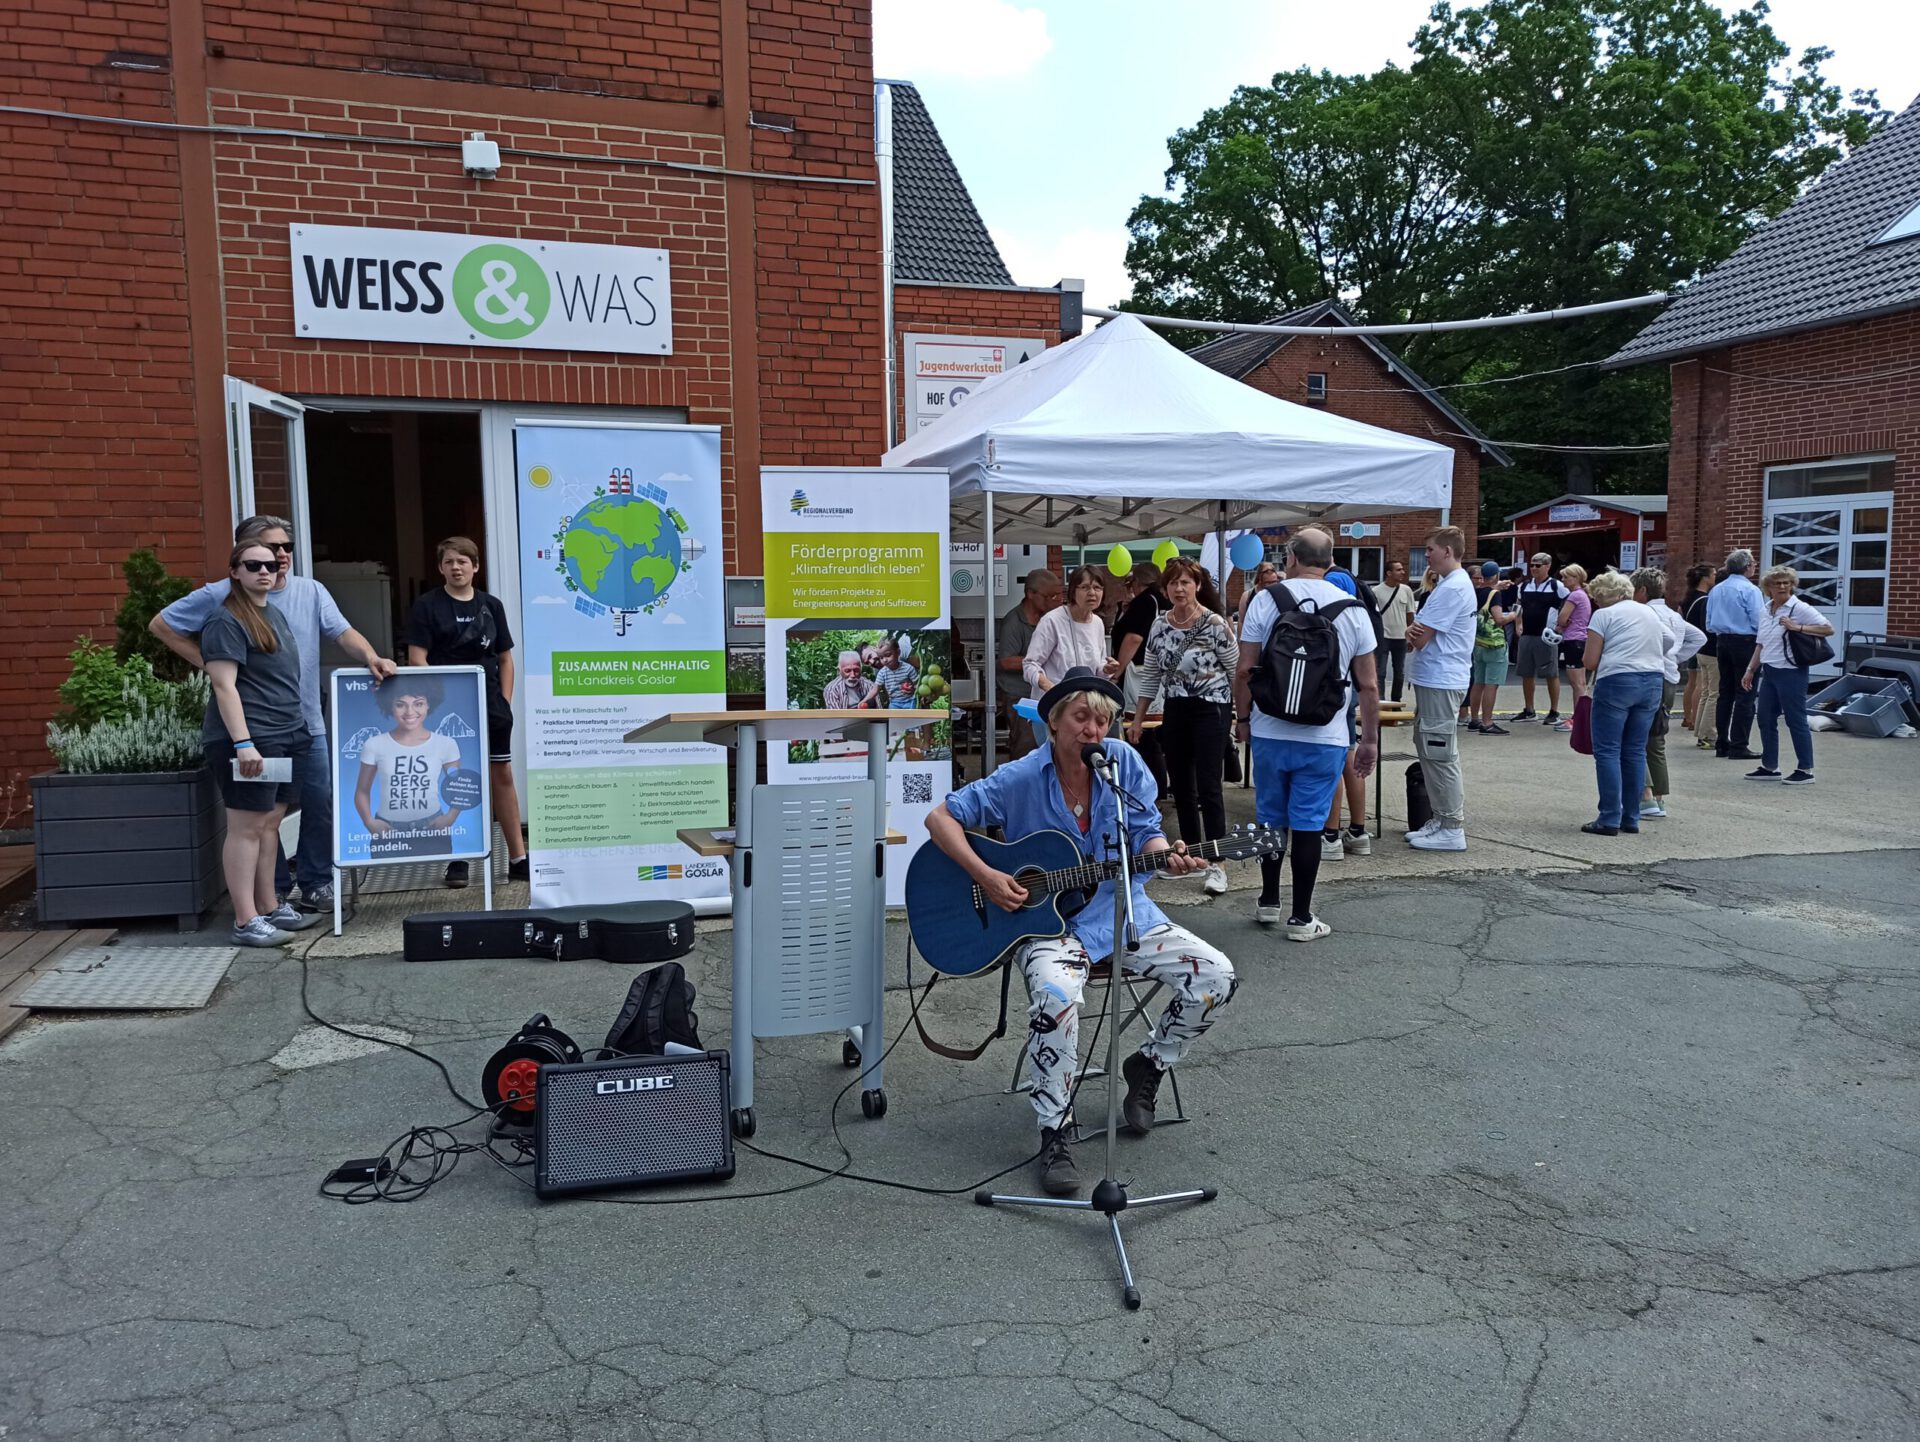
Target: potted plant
(130,824)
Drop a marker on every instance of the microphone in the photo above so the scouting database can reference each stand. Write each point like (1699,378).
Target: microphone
(1095,755)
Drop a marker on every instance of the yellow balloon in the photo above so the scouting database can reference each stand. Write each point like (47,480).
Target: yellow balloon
(1165,552)
(1119,560)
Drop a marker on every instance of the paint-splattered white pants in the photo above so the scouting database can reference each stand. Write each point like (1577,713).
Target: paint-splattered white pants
(1199,977)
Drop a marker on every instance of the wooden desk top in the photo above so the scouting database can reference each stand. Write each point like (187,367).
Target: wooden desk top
(722,727)
(702,841)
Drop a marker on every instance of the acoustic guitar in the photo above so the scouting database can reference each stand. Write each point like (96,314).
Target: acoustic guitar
(961,933)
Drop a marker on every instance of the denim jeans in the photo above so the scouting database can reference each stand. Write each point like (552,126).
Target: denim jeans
(313,862)
(1623,707)
(1783,692)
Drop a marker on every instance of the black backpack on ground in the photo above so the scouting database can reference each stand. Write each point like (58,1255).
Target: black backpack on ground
(1419,808)
(659,1009)
(1299,677)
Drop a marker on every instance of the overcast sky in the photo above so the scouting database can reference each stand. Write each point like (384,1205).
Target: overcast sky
(1058,111)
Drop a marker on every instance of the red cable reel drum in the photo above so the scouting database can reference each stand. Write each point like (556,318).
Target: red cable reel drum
(507,1081)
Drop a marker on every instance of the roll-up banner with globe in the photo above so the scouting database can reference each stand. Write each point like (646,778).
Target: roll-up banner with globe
(622,620)
(856,597)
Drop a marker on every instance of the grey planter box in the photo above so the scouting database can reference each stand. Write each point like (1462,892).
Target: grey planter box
(107,847)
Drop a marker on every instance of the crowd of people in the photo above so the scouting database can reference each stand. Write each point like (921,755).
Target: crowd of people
(1611,656)
(257,634)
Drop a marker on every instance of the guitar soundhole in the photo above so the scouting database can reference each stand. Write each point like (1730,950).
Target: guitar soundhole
(1034,880)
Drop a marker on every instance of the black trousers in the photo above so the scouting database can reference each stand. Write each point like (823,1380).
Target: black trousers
(1733,716)
(1193,737)
(1396,653)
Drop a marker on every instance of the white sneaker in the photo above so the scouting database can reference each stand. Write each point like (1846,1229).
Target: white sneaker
(1357,843)
(1421,832)
(1312,929)
(1652,810)
(1441,838)
(1216,882)
(1269,915)
(1330,848)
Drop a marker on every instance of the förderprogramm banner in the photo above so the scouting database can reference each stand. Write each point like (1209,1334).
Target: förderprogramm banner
(623,620)
(856,586)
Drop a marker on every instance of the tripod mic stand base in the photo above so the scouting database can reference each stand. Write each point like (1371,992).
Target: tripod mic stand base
(1110,1199)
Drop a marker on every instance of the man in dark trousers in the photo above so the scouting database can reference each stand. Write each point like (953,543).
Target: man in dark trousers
(1734,608)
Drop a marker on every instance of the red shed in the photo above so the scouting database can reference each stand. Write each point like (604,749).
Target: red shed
(1593,531)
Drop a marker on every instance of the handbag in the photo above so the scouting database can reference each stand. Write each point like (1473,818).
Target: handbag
(1581,737)
(1804,649)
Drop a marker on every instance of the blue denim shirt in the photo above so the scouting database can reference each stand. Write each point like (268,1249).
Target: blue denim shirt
(1024,796)
(1734,606)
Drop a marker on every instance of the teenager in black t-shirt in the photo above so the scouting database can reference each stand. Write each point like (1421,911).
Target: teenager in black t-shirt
(460,625)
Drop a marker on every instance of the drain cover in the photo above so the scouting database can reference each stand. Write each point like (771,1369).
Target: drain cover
(130,978)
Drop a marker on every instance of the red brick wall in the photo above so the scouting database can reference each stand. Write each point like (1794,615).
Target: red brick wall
(657,50)
(951,310)
(98,449)
(776,284)
(1360,387)
(1730,424)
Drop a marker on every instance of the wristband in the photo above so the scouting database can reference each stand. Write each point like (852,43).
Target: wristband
(243,741)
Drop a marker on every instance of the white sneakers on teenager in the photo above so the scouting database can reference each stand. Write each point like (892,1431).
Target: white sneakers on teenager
(1439,838)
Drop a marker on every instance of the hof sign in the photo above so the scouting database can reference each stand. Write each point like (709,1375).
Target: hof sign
(430,287)
(409,762)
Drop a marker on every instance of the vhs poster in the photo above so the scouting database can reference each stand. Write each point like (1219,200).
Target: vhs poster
(622,620)
(410,766)
(856,618)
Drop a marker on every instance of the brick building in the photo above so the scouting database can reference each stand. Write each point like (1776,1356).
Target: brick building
(163,159)
(1358,377)
(1796,392)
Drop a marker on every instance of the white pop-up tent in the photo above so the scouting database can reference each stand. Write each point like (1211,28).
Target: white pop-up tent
(1118,435)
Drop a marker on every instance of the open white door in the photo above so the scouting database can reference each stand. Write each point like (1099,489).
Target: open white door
(267,461)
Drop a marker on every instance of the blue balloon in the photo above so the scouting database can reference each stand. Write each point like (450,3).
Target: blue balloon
(1246,551)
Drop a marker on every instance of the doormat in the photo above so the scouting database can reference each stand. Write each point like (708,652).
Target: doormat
(130,978)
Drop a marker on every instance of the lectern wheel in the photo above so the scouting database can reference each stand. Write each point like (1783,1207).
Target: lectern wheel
(743,1122)
(873,1104)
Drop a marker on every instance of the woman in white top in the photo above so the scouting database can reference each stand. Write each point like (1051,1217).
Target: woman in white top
(1650,589)
(1069,636)
(1626,655)
(1782,679)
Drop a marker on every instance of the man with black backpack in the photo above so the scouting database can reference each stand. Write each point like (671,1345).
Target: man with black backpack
(1304,643)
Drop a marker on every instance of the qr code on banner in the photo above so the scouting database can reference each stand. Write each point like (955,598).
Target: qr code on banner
(916,788)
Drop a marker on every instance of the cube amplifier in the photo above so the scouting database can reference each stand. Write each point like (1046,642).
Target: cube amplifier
(632,1121)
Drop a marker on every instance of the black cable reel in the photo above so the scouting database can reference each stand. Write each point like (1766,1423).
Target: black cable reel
(508,1080)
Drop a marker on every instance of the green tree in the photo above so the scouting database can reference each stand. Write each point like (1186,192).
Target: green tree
(1537,154)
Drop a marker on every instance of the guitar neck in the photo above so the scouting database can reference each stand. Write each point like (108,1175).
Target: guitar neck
(1093,873)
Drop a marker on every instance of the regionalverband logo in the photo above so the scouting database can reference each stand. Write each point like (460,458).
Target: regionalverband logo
(798,503)
(502,291)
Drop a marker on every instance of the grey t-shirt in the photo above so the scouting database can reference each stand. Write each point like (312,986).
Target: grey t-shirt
(309,610)
(268,682)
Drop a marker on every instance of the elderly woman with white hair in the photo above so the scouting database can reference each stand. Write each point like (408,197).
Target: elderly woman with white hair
(1626,655)
(1782,676)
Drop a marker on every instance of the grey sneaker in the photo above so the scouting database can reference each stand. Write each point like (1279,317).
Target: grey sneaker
(260,932)
(287,919)
(318,898)
(1269,915)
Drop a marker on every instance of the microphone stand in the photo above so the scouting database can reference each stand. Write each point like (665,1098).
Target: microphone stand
(1110,1193)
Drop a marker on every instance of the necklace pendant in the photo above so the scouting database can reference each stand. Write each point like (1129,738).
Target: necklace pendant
(1078,809)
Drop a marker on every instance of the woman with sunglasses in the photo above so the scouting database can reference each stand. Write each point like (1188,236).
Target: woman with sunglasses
(254,716)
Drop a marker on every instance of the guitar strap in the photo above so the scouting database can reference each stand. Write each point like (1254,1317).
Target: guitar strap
(971,1053)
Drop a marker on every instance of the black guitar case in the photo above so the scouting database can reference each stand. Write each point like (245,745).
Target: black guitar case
(635,932)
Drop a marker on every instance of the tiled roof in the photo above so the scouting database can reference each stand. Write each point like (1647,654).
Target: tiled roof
(1815,264)
(937,233)
(1644,505)
(1240,355)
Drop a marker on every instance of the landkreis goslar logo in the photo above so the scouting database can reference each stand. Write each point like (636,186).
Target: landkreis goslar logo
(502,291)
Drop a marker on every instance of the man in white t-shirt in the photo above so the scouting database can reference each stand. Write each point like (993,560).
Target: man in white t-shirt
(1441,670)
(1297,766)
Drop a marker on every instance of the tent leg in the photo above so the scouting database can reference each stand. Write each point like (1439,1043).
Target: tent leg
(990,691)
(1220,546)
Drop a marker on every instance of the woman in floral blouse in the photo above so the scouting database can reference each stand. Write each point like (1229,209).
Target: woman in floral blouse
(1188,661)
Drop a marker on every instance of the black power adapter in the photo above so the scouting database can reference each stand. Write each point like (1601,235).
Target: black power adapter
(361,1170)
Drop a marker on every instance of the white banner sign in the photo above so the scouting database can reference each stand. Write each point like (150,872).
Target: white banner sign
(857,617)
(624,620)
(945,369)
(430,287)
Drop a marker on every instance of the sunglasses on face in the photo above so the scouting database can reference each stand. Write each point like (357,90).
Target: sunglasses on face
(284,547)
(258,566)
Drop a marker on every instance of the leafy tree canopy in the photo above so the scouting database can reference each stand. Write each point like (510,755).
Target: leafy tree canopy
(1536,154)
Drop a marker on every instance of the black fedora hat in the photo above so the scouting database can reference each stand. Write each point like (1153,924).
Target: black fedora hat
(1078,678)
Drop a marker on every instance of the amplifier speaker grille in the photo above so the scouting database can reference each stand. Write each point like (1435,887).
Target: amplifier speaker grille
(632,1121)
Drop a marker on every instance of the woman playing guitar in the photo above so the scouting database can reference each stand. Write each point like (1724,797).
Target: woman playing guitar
(1052,788)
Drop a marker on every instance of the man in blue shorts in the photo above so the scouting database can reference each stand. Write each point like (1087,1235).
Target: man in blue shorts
(1296,765)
